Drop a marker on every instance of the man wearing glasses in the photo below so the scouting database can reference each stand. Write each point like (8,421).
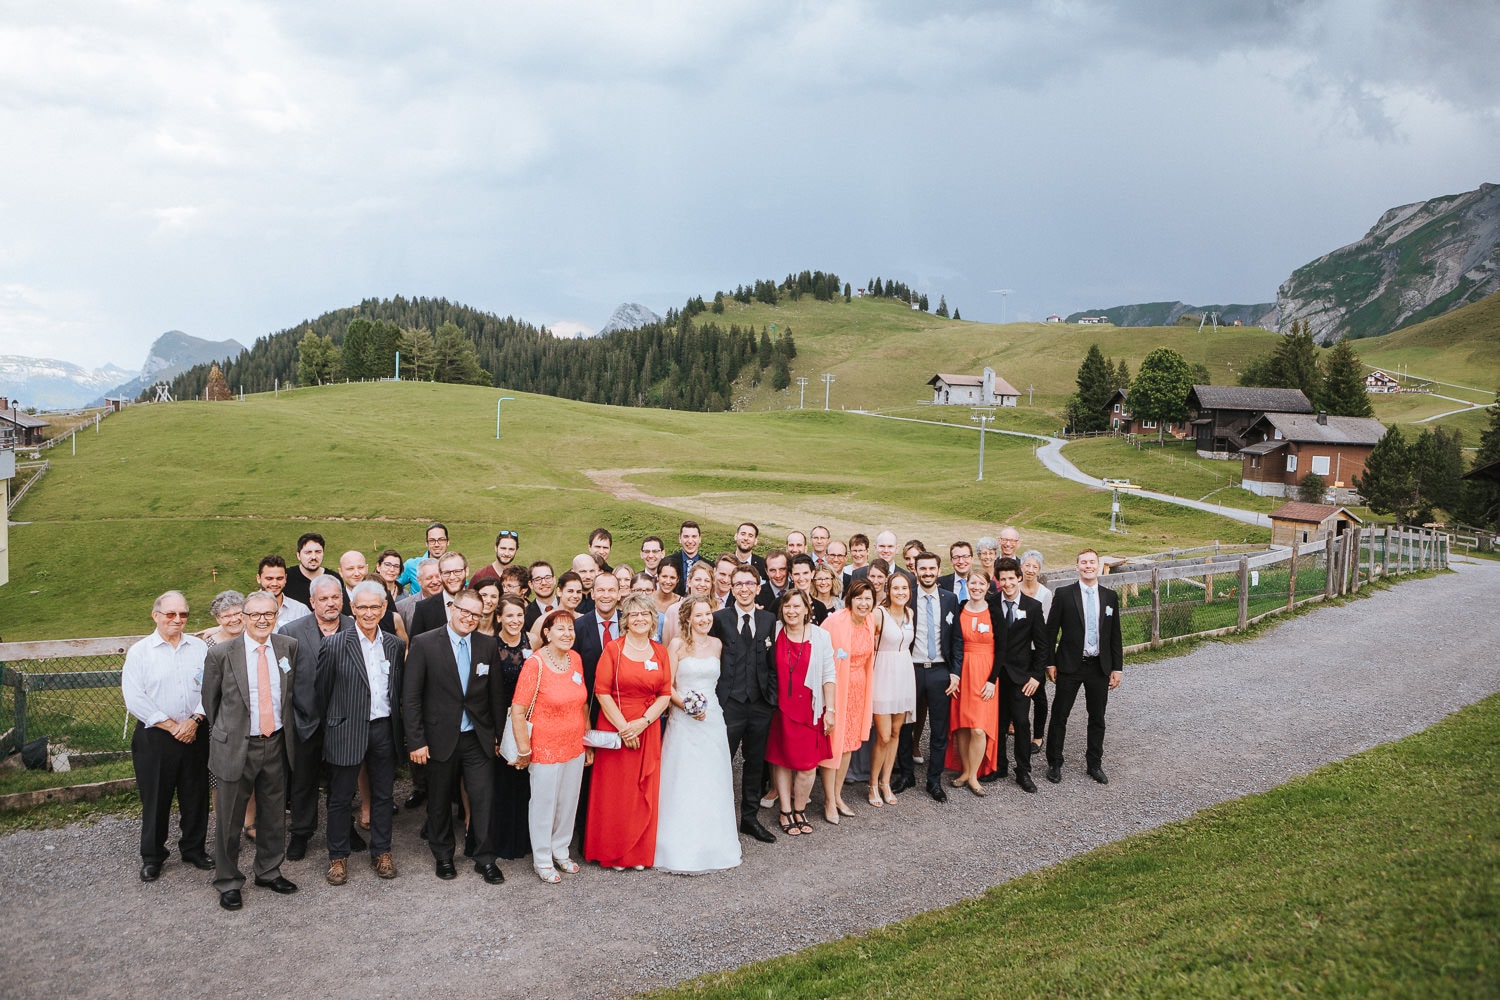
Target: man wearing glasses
(437,544)
(432,612)
(363,666)
(543,592)
(507,544)
(162,685)
(450,707)
(248,699)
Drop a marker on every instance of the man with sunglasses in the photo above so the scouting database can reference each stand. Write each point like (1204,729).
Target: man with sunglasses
(451,702)
(507,544)
(162,683)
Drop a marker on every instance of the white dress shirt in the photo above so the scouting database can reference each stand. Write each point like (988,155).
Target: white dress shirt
(291,609)
(378,669)
(161,683)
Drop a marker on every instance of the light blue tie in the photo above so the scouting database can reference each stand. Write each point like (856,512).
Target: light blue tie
(963,589)
(932,628)
(464,662)
(1090,619)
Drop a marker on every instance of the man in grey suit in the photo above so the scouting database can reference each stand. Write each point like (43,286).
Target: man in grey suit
(364,667)
(247,688)
(309,694)
(450,706)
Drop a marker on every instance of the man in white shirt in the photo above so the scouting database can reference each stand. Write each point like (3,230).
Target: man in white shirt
(162,685)
(270,577)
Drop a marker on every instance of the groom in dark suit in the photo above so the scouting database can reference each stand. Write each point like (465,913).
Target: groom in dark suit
(747,689)
(451,709)
(938,658)
(247,700)
(1083,630)
(1020,661)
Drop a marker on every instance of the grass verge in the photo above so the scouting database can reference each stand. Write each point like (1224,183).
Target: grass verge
(1372,876)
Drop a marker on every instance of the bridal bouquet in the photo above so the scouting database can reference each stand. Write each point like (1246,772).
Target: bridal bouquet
(694,702)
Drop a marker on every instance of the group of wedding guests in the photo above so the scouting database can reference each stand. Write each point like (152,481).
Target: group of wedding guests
(603,706)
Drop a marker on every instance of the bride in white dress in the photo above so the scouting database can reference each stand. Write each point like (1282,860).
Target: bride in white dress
(695,828)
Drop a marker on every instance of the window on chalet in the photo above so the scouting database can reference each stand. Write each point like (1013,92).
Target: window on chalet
(1320,464)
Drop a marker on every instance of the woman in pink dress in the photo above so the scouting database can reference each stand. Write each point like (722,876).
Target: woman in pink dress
(974,718)
(805,712)
(852,631)
(634,686)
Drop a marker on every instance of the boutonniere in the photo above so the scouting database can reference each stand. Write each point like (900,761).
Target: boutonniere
(286,667)
(768,642)
(1109,612)
(950,618)
(482,669)
(841,653)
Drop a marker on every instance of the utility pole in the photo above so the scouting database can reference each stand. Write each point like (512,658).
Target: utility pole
(801,391)
(1029,390)
(828,381)
(983,416)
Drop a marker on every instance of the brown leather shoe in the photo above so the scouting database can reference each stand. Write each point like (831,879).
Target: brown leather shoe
(384,865)
(338,871)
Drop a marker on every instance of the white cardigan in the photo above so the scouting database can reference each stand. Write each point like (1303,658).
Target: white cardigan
(821,668)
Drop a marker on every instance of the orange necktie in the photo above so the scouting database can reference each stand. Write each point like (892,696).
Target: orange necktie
(263,689)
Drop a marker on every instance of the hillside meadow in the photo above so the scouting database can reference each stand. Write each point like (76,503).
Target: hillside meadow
(191,495)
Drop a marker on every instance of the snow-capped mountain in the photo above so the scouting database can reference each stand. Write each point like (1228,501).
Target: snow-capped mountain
(48,384)
(628,316)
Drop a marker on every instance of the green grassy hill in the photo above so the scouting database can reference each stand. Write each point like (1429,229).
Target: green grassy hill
(882,353)
(192,494)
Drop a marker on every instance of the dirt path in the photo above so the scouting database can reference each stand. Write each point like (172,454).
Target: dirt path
(1222,721)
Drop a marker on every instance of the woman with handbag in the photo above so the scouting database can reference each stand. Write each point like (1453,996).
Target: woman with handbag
(548,719)
(805,692)
(633,683)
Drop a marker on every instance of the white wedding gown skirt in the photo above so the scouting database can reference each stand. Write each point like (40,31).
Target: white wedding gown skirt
(695,829)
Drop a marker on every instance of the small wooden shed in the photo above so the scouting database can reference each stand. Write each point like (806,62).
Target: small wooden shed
(1296,522)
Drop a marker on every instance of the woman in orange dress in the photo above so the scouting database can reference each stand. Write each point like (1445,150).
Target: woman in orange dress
(551,689)
(974,719)
(634,686)
(852,630)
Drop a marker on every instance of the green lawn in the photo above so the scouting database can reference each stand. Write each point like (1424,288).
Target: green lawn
(1461,347)
(192,494)
(1173,467)
(1374,876)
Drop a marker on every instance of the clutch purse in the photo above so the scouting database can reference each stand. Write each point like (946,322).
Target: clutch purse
(602,739)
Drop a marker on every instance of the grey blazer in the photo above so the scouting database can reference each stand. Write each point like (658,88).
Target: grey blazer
(310,689)
(346,724)
(226,702)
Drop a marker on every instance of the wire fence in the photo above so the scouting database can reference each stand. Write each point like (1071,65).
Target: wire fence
(63,696)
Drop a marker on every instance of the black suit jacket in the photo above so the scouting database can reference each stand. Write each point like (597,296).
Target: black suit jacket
(430,613)
(767,597)
(311,681)
(1020,650)
(587,644)
(950,632)
(757,661)
(346,726)
(1065,627)
(433,702)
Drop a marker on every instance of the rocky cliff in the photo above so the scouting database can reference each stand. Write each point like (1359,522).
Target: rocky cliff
(1167,314)
(174,352)
(629,316)
(1418,261)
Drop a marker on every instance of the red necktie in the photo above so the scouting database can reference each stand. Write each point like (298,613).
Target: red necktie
(263,691)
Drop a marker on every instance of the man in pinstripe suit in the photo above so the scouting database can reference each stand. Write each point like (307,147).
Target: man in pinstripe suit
(363,667)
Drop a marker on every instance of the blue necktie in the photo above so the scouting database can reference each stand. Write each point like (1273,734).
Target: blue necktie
(932,628)
(1010,609)
(464,662)
(1090,620)
(963,589)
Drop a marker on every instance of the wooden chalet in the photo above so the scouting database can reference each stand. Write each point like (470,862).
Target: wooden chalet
(1295,522)
(1120,420)
(17,428)
(1379,381)
(1223,413)
(1285,448)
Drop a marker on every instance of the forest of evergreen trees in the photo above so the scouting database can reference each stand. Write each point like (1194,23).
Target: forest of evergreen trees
(677,364)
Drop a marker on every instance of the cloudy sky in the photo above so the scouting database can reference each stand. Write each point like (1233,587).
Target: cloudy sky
(229,169)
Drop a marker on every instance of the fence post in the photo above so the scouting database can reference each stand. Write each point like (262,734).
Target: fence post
(1244,592)
(1291,580)
(1208,586)
(1155,606)
(1330,556)
(1356,560)
(1385,554)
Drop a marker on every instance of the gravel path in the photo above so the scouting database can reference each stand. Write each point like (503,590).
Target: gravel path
(1223,721)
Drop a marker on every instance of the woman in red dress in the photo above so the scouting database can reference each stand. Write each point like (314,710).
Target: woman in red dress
(974,719)
(634,686)
(805,692)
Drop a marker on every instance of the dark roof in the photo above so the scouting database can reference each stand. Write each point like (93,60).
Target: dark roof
(1248,397)
(21,419)
(1264,448)
(1304,428)
(1312,513)
(1490,472)
(956,379)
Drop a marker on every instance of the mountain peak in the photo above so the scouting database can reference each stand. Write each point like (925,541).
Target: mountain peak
(628,316)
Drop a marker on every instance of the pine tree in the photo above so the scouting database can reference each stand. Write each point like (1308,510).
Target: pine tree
(956,316)
(1344,392)
(1480,503)
(847,291)
(1387,484)
(942,309)
(1094,389)
(1122,375)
